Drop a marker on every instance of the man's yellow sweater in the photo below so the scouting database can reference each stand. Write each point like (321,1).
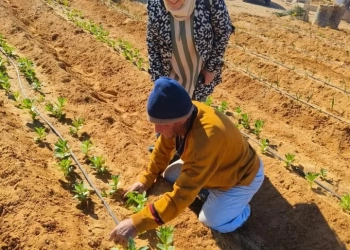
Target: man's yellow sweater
(215,156)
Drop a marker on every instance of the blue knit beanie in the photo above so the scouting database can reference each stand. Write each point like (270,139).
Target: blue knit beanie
(168,102)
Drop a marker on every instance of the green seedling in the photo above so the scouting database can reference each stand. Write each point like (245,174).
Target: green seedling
(7,49)
(41,98)
(36,85)
(65,166)
(208,101)
(114,184)
(2,65)
(222,107)
(57,108)
(86,147)
(6,86)
(131,246)
(139,63)
(264,146)
(16,96)
(77,125)
(97,164)
(258,126)
(4,81)
(311,177)
(238,110)
(82,193)
(245,120)
(24,64)
(290,158)
(29,105)
(41,134)
(63,2)
(166,236)
(61,149)
(345,202)
(323,173)
(136,201)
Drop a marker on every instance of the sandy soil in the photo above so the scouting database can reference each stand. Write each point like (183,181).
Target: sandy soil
(280,70)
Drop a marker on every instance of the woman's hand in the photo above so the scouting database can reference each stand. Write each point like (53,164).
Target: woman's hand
(208,76)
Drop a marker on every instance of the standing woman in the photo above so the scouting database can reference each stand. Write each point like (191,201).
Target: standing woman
(186,38)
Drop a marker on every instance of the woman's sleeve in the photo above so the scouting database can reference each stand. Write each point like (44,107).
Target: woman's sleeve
(154,53)
(222,28)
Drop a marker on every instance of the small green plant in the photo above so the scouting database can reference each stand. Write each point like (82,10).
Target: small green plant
(166,237)
(77,125)
(264,145)
(245,120)
(290,158)
(208,101)
(136,201)
(7,87)
(41,98)
(56,108)
(97,164)
(297,12)
(7,49)
(222,107)
(323,173)
(114,184)
(65,166)
(131,246)
(16,96)
(311,177)
(345,202)
(2,65)
(63,2)
(36,85)
(41,134)
(139,63)
(238,110)
(29,105)
(24,64)
(258,126)
(82,193)
(86,147)
(4,81)
(61,149)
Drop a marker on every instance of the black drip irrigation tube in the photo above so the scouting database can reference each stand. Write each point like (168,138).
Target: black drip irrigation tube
(59,135)
(314,106)
(295,169)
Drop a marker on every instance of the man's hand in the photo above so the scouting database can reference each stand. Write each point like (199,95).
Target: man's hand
(208,76)
(137,186)
(121,233)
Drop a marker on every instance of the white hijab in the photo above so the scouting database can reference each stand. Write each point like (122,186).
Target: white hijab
(183,12)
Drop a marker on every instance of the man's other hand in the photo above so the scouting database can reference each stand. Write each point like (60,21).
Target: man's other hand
(122,232)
